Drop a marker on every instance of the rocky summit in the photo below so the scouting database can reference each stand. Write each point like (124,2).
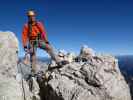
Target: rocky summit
(87,76)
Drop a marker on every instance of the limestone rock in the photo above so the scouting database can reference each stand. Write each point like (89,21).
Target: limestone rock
(98,78)
(70,57)
(86,52)
(10,89)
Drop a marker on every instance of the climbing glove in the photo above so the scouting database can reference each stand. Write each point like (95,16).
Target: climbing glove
(47,42)
(25,48)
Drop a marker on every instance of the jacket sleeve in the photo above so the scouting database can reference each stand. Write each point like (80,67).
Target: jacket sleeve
(43,32)
(25,35)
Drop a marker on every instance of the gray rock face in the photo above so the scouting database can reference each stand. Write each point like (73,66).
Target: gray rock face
(98,78)
(8,54)
(10,88)
(86,52)
(12,84)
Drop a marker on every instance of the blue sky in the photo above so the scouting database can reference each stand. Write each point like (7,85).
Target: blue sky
(104,25)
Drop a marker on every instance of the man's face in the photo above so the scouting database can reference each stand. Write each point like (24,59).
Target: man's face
(32,18)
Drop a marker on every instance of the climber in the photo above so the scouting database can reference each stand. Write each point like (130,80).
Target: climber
(33,37)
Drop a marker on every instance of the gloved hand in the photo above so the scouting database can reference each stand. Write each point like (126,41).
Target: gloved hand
(47,42)
(25,48)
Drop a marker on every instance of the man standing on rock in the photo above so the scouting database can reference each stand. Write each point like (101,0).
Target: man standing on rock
(33,37)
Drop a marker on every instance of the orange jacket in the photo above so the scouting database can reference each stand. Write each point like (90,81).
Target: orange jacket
(37,28)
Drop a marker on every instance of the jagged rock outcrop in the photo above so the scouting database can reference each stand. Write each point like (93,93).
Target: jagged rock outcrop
(10,88)
(91,77)
(13,86)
